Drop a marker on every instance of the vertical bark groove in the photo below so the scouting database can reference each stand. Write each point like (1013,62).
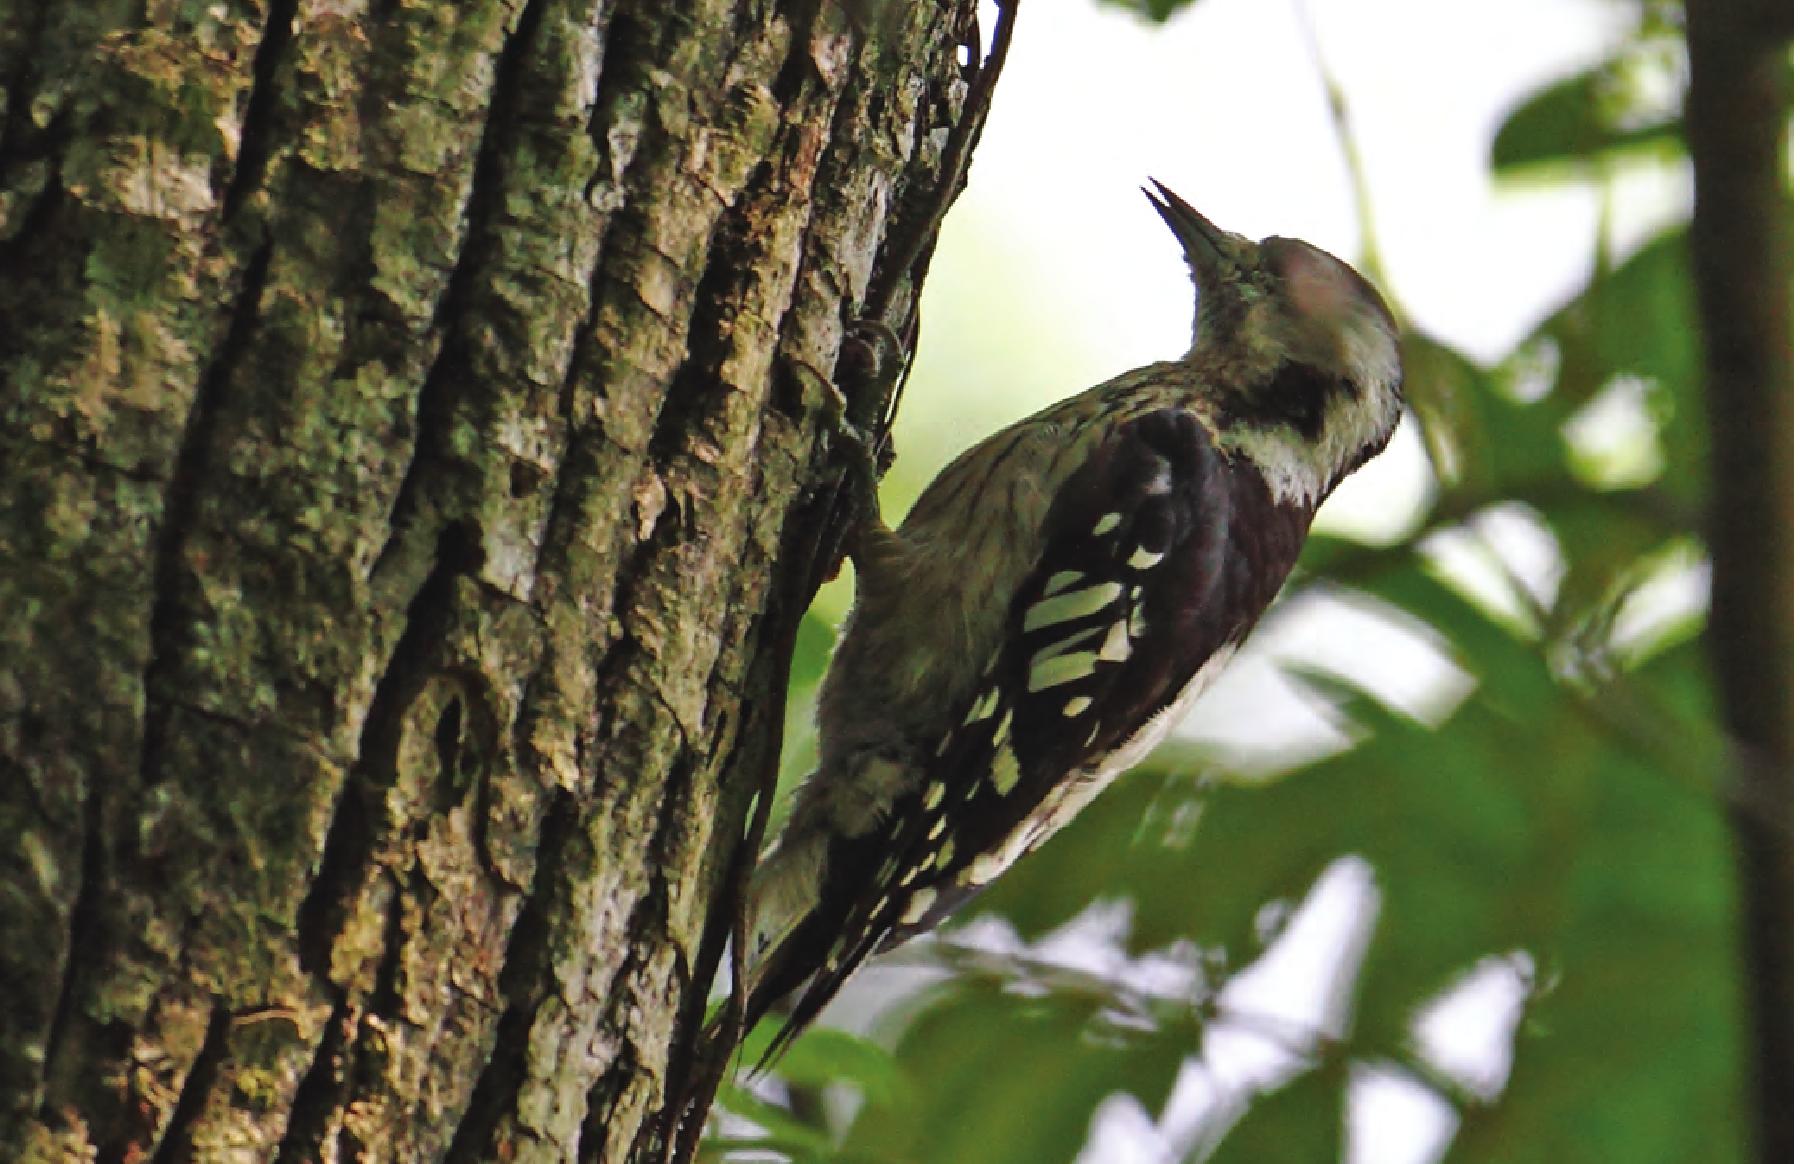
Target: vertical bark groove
(318,1095)
(252,161)
(181,495)
(85,929)
(175,1144)
(438,396)
(411,407)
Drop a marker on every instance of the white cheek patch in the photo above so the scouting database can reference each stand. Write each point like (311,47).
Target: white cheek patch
(1372,358)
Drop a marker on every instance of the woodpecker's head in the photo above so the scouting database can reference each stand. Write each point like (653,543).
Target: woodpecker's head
(1301,356)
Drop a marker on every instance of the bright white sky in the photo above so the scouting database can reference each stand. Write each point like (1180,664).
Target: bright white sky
(1053,273)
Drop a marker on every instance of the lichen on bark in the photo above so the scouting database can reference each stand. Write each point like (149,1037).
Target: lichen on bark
(410,411)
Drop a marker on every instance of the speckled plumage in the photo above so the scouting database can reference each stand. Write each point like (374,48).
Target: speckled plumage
(1058,597)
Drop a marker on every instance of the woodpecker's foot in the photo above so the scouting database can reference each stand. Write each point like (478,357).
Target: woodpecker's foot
(862,472)
(872,351)
(869,363)
(869,367)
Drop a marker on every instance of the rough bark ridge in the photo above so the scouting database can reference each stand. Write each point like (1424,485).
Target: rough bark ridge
(406,407)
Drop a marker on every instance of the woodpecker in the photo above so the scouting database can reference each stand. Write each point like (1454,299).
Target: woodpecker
(1058,597)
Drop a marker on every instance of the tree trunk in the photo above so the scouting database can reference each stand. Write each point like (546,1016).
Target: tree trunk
(1740,110)
(411,424)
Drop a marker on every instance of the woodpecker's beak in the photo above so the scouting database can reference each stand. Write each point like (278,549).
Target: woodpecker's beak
(1204,243)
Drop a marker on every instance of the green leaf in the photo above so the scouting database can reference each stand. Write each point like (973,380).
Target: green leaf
(824,1055)
(1581,119)
(1485,442)
(1155,11)
(1608,540)
(1639,320)
(1632,1054)
(1301,1121)
(1015,1078)
(783,1131)
(1513,672)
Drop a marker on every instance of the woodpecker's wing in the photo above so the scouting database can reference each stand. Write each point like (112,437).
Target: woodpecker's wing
(1134,592)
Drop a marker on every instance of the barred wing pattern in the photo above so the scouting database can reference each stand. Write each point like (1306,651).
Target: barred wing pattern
(1146,578)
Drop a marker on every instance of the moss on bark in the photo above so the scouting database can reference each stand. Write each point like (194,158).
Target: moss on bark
(408,411)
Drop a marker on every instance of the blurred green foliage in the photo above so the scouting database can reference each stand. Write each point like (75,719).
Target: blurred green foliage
(1564,816)
(1156,11)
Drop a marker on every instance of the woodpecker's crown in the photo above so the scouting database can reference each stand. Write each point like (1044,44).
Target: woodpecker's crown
(1297,353)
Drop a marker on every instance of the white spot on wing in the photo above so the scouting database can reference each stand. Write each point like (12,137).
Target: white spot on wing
(1062,669)
(1107,524)
(1076,706)
(919,906)
(1143,558)
(1005,772)
(984,707)
(1073,605)
(1061,646)
(1062,580)
(1117,647)
(1075,793)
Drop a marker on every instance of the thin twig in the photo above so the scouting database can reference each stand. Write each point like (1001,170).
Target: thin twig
(1369,261)
(952,170)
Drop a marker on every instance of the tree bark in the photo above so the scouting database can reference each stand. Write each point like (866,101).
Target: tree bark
(411,413)
(1740,107)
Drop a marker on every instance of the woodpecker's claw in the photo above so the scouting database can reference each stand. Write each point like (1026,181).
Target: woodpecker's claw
(880,340)
(861,472)
(870,364)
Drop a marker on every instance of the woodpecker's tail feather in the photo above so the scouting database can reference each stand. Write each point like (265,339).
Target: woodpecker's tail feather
(782,932)
(796,949)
